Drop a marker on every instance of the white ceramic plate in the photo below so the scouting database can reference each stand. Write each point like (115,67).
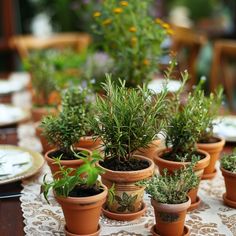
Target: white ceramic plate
(15,83)
(17,163)
(226,127)
(12,115)
(157,85)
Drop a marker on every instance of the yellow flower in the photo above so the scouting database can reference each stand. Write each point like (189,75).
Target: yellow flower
(170,31)
(132,29)
(133,41)
(166,26)
(118,10)
(107,22)
(159,21)
(124,3)
(146,62)
(96,14)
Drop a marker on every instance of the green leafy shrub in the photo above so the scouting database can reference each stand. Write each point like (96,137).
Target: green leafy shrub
(171,189)
(132,38)
(228,162)
(84,177)
(127,119)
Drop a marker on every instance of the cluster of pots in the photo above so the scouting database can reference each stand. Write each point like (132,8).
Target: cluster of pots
(128,201)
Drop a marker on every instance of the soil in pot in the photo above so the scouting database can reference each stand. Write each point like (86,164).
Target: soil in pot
(82,213)
(128,197)
(171,165)
(214,147)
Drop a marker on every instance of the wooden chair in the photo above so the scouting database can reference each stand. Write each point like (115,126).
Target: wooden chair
(185,38)
(24,44)
(220,71)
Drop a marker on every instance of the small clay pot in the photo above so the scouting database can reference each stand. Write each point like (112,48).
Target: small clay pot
(38,113)
(214,149)
(67,163)
(126,188)
(93,234)
(171,166)
(90,143)
(154,232)
(230,185)
(151,150)
(82,213)
(170,218)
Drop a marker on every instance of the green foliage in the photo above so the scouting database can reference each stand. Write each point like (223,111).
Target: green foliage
(86,175)
(127,119)
(172,189)
(132,38)
(71,124)
(228,162)
(187,123)
(126,202)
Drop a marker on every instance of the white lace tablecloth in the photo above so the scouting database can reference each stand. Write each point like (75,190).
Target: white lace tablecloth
(212,218)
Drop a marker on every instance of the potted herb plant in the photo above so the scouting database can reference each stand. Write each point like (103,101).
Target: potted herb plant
(64,132)
(185,126)
(126,120)
(208,141)
(228,169)
(132,38)
(43,85)
(80,195)
(169,198)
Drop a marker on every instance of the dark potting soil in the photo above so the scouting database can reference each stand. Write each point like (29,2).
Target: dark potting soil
(84,191)
(170,156)
(131,165)
(210,140)
(64,156)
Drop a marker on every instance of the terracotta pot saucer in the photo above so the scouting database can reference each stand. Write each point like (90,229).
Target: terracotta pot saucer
(229,202)
(154,233)
(94,234)
(210,175)
(124,216)
(195,205)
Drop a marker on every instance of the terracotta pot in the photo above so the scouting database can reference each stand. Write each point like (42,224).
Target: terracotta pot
(126,189)
(214,149)
(150,151)
(82,213)
(230,185)
(170,218)
(45,145)
(8,135)
(175,165)
(93,234)
(90,143)
(38,113)
(67,163)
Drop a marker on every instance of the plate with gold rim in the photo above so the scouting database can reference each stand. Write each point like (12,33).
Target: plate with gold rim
(17,163)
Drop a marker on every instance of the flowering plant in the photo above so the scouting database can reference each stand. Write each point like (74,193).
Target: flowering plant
(131,37)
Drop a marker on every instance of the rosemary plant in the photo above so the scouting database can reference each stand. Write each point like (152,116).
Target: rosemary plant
(228,162)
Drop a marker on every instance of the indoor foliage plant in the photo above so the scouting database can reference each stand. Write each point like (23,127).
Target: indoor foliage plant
(64,132)
(80,195)
(132,38)
(126,120)
(185,126)
(208,141)
(170,200)
(228,168)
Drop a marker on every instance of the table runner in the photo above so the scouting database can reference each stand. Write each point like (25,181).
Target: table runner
(212,218)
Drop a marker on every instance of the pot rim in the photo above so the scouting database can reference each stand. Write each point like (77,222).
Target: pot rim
(171,208)
(219,144)
(49,159)
(227,172)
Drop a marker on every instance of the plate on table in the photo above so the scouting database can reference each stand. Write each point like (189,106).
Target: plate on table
(16,82)
(17,163)
(10,115)
(157,85)
(226,127)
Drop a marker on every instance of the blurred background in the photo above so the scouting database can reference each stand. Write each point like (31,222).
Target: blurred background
(204,32)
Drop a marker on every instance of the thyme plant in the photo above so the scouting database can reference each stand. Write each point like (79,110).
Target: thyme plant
(127,119)
(228,162)
(172,189)
(86,176)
